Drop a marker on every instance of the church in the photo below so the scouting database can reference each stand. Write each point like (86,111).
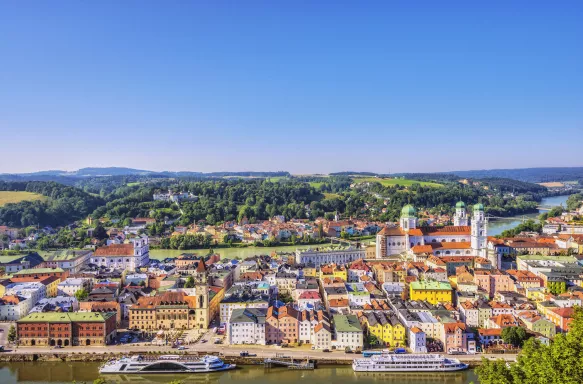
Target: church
(459,239)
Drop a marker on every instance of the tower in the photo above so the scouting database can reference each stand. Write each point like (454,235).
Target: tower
(460,217)
(479,236)
(408,218)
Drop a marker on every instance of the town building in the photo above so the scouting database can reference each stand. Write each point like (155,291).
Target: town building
(170,310)
(347,332)
(123,256)
(247,326)
(444,241)
(66,329)
(329,255)
(431,291)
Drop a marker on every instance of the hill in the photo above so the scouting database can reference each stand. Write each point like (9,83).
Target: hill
(531,175)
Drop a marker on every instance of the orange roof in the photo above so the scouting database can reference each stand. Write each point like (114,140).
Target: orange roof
(564,312)
(452,327)
(447,230)
(416,330)
(490,331)
(339,303)
(115,250)
(452,245)
(422,249)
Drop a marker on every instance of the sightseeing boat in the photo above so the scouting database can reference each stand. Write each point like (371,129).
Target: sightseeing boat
(408,363)
(165,364)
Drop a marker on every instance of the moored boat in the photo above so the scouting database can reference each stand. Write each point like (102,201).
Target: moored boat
(165,364)
(408,363)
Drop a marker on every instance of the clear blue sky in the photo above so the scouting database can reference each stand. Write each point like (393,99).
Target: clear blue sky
(208,86)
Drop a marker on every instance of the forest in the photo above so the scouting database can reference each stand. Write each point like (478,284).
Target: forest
(226,199)
(65,204)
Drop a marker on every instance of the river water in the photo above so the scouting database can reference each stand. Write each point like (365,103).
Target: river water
(68,372)
(496,227)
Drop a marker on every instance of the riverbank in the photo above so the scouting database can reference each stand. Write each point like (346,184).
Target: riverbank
(338,358)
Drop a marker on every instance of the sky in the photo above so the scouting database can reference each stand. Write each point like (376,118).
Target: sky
(300,86)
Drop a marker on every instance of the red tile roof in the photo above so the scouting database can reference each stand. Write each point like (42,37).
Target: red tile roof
(115,250)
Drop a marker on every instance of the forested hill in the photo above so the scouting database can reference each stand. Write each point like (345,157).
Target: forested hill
(63,205)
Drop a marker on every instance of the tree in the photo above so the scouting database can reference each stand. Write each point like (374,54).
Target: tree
(12,334)
(190,281)
(99,232)
(514,335)
(81,294)
(561,362)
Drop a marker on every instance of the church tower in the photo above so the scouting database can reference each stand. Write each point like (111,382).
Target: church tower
(408,218)
(460,218)
(479,232)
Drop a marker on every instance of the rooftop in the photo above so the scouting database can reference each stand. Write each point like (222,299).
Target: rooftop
(346,323)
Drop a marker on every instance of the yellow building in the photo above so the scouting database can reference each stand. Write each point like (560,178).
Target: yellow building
(433,292)
(333,271)
(386,327)
(310,272)
(171,310)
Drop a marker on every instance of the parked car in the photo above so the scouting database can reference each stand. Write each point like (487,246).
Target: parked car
(327,350)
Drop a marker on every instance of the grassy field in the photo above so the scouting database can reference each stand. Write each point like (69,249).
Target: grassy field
(315,184)
(391,182)
(328,196)
(7,197)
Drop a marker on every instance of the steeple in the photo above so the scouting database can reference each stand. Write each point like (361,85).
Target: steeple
(460,217)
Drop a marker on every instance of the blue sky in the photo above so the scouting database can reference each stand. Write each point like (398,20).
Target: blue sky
(387,86)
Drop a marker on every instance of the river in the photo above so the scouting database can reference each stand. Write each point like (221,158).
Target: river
(496,227)
(68,372)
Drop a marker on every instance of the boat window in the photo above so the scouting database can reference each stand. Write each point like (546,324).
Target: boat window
(165,366)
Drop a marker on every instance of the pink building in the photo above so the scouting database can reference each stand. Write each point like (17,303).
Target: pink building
(281,325)
(492,281)
(455,337)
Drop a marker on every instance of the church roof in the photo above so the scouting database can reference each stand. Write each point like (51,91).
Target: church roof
(408,211)
(460,204)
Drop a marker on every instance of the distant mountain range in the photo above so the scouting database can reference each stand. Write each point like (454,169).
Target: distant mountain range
(122,171)
(533,175)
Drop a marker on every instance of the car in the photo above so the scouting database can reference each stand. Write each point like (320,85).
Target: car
(203,341)
(1,330)
(58,346)
(181,348)
(326,350)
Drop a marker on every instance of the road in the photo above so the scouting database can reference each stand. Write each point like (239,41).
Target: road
(261,351)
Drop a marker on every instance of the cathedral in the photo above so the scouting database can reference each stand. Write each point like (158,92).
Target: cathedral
(459,239)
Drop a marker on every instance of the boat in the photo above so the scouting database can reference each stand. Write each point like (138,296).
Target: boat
(165,364)
(408,363)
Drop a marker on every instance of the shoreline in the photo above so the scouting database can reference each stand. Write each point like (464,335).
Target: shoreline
(102,356)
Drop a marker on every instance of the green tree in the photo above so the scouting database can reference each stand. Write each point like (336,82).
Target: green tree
(81,294)
(514,335)
(12,334)
(99,232)
(561,362)
(189,282)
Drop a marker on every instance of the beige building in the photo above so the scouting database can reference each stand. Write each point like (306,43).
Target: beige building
(171,310)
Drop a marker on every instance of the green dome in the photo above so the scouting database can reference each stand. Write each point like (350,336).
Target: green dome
(460,204)
(479,207)
(408,211)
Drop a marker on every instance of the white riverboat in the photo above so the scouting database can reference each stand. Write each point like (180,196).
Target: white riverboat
(408,363)
(165,364)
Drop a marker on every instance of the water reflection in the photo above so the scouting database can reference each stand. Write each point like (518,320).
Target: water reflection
(63,372)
